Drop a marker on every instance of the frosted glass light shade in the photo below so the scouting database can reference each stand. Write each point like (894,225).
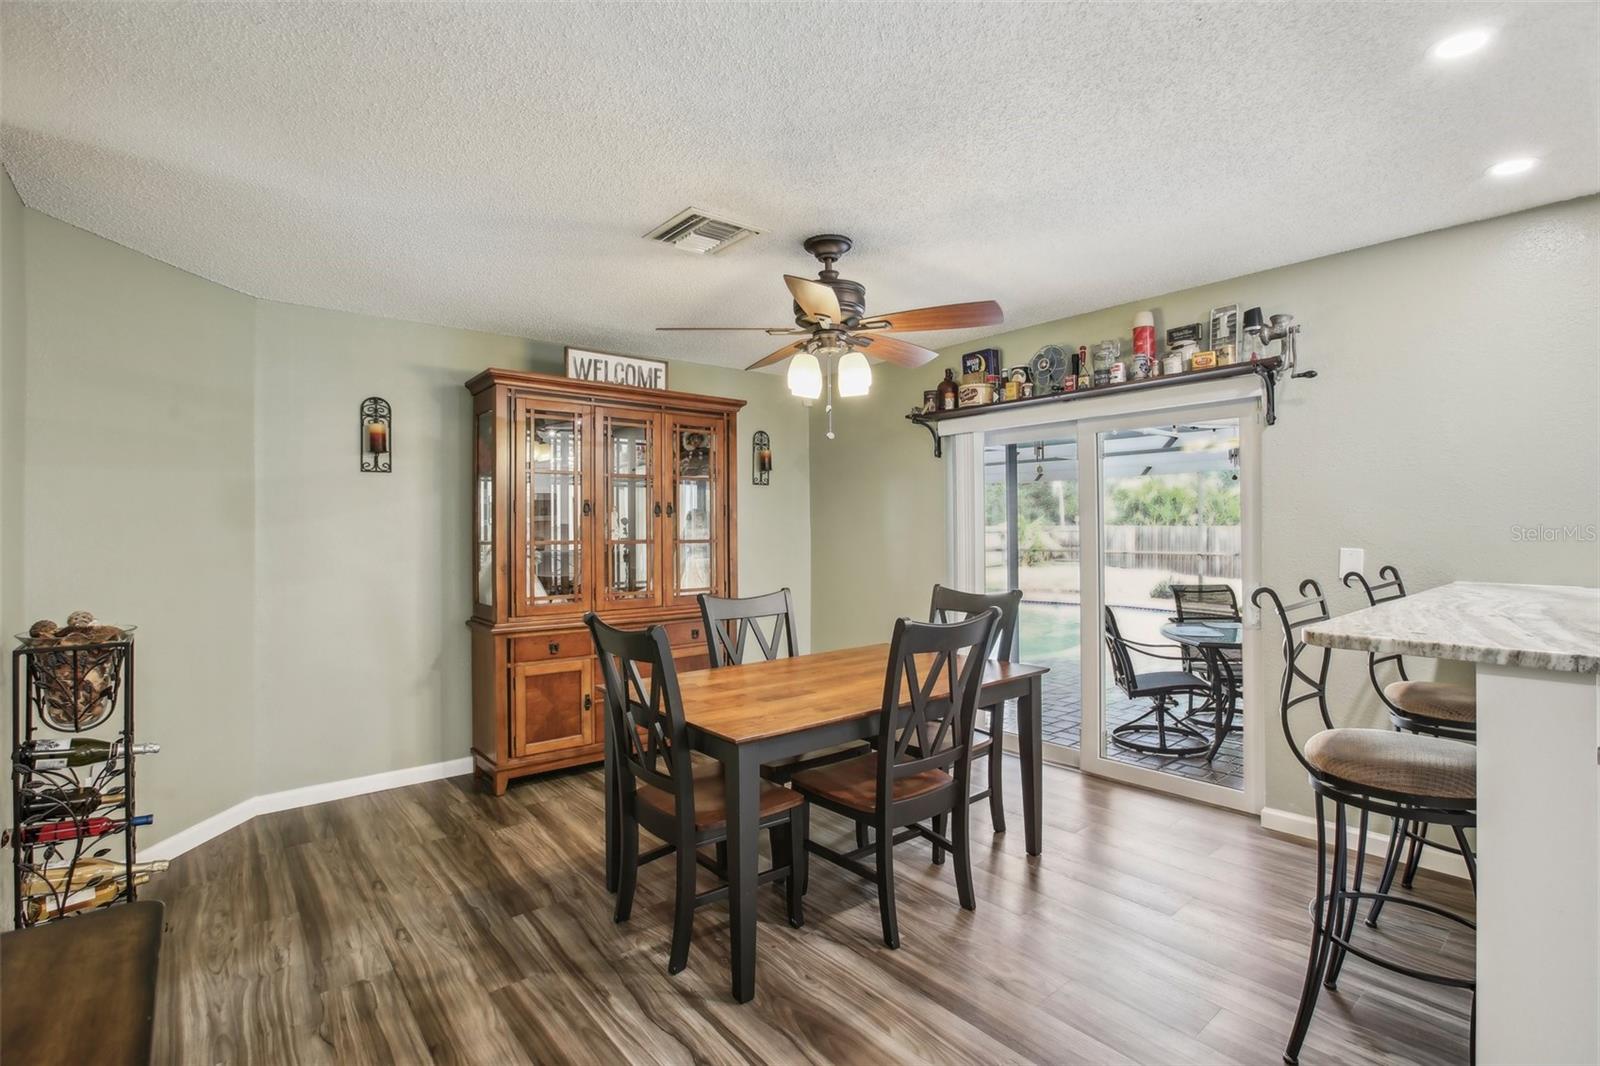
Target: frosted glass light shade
(855,374)
(805,376)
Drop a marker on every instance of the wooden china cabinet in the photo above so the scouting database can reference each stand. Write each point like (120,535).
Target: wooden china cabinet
(585,497)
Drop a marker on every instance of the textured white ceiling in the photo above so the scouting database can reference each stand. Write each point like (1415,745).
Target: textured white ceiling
(493,166)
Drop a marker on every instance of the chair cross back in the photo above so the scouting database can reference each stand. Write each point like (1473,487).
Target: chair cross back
(953,605)
(1305,666)
(919,731)
(646,713)
(730,623)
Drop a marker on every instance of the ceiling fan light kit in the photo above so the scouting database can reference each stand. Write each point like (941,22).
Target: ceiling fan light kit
(830,316)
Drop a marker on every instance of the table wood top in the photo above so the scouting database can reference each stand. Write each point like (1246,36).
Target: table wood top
(81,989)
(758,700)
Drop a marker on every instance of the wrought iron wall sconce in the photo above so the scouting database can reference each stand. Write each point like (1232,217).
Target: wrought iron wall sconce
(760,458)
(376,427)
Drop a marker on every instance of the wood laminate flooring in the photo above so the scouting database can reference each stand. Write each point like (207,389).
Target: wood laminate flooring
(437,924)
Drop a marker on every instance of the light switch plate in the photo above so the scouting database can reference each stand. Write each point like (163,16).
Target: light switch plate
(1352,559)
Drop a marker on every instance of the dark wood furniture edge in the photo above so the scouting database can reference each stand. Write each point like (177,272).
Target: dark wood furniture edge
(601,392)
(115,1022)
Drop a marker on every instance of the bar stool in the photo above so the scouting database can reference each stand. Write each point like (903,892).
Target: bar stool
(1433,708)
(1424,779)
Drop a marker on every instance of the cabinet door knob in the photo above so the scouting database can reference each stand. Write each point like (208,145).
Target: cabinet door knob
(555,648)
(694,634)
(586,508)
(588,701)
(669,510)
(658,510)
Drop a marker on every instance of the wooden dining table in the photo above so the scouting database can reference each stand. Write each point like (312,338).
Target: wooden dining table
(745,716)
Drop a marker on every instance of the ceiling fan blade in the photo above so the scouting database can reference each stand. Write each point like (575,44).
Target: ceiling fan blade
(771,331)
(894,350)
(778,356)
(815,299)
(946,316)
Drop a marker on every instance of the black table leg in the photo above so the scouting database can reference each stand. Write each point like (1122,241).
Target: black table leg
(1030,745)
(741,778)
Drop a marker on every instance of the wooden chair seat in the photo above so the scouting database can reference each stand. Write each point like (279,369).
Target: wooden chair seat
(854,784)
(1434,699)
(710,801)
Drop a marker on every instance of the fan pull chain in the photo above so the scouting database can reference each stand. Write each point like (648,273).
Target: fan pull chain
(827,377)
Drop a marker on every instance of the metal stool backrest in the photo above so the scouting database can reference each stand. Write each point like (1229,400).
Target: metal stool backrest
(916,731)
(1121,660)
(645,711)
(1206,602)
(953,605)
(1391,588)
(1305,666)
(726,641)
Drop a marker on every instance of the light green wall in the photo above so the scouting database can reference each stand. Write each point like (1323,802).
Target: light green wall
(1458,398)
(13,361)
(191,467)
(139,502)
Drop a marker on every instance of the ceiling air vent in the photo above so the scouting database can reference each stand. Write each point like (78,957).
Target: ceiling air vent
(695,231)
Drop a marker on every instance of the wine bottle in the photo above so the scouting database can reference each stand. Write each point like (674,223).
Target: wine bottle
(54,879)
(51,832)
(66,802)
(50,906)
(54,753)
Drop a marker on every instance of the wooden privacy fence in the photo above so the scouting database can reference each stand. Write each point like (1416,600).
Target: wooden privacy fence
(1210,551)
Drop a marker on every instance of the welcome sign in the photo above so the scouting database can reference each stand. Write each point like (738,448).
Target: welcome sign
(613,369)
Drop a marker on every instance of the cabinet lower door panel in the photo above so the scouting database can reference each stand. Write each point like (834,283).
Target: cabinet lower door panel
(552,706)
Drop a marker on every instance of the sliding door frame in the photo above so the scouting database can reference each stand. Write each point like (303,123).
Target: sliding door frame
(966,524)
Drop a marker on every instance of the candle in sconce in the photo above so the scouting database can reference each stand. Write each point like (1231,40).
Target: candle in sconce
(377,438)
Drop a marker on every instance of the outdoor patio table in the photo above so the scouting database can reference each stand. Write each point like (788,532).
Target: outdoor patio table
(1212,639)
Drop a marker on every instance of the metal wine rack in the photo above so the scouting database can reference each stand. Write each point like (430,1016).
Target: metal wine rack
(69,690)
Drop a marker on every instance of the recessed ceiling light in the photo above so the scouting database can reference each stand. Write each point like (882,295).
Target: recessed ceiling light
(1461,44)
(1507,168)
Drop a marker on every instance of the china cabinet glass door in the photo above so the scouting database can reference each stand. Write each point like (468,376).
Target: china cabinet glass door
(695,458)
(629,508)
(552,508)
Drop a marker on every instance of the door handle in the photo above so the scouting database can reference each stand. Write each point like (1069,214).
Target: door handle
(658,510)
(586,507)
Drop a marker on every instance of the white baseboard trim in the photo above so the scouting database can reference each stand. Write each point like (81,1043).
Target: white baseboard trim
(195,835)
(1305,827)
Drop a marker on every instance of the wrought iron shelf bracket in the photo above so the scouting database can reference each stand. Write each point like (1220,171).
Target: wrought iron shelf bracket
(1266,369)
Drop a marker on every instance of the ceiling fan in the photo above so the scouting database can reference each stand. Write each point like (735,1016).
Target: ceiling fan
(831,320)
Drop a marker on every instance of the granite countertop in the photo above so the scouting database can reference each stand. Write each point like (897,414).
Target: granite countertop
(1539,627)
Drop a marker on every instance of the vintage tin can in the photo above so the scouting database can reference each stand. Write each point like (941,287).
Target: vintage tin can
(1119,373)
(976,393)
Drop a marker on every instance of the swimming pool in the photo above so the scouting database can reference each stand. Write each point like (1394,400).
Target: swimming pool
(1048,630)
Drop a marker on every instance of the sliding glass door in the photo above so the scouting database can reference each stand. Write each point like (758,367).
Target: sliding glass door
(1170,566)
(1031,542)
(1137,534)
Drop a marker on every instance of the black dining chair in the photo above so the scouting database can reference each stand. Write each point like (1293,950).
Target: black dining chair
(1433,708)
(1425,779)
(1163,689)
(922,767)
(674,794)
(988,740)
(740,627)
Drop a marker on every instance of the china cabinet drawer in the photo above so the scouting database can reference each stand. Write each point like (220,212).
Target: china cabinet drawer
(685,633)
(568,644)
